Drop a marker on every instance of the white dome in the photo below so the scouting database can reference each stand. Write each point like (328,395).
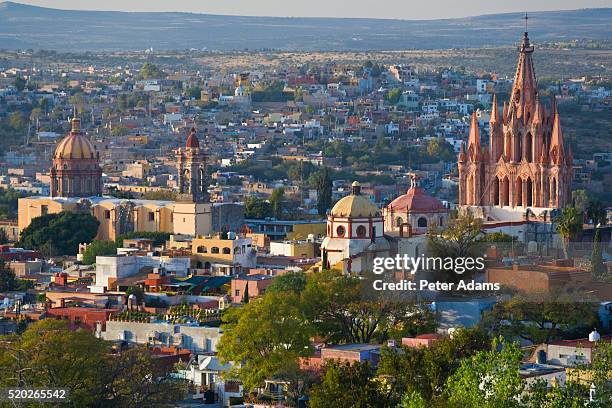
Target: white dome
(594,336)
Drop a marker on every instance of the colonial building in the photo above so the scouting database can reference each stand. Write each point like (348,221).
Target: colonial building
(526,165)
(192,211)
(415,212)
(76,185)
(354,234)
(75,171)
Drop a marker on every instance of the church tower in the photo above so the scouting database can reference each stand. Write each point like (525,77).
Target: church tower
(192,182)
(192,211)
(525,166)
(76,169)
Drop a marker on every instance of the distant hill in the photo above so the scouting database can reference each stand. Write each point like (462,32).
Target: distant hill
(24,26)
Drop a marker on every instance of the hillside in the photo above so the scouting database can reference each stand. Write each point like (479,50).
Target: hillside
(24,26)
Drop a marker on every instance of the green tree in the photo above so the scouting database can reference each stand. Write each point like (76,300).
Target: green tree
(540,318)
(394,95)
(596,211)
(163,195)
(288,282)
(8,282)
(151,71)
(265,338)
(323,184)
(136,291)
(195,92)
(489,379)
(98,248)
(569,224)
(426,370)
(339,312)
(19,83)
(257,208)
(49,354)
(17,121)
(59,234)
(276,202)
(459,240)
(580,200)
(347,386)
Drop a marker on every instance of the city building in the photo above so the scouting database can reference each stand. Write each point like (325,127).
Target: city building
(355,234)
(526,165)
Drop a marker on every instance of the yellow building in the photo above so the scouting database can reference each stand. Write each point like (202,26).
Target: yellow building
(225,254)
(76,183)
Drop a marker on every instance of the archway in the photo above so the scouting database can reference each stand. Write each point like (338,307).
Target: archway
(529,147)
(529,186)
(506,191)
(519,193)
(496,191)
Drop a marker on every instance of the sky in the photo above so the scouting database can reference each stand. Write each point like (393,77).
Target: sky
(396,9)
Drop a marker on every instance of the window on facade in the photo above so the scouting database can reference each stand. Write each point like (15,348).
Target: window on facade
(398,222)
(340,231)
(227,251)
(441,221)
(214,250)
(422,222)
(151,216)
(237,292)
(107,214)
(202,249)
(361,231)
(44,210)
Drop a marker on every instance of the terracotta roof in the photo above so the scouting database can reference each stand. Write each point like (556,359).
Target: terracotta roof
(418,201)
(192,139)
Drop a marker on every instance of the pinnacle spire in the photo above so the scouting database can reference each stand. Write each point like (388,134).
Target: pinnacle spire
(557,151)
(474,148)
(494,110)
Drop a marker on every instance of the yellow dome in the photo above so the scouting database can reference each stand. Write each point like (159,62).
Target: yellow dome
(355,205)
(75,145)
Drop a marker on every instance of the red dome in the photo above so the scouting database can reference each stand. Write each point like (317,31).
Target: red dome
(192,140)
(418,201)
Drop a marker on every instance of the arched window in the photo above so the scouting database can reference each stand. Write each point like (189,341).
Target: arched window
(519,193)
(422,222)
(340,231)
(398,221)
(202,249)
(529,148)
(227,251)
(237,251)
(361,231)
(214,250)
(441,221)
(530,200)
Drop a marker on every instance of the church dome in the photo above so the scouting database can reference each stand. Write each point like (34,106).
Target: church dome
(416,200)
(192,139)
(76,145)
(355,205)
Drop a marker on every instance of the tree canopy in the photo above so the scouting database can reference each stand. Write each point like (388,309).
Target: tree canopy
(49,354)
(59,234)
(98,248)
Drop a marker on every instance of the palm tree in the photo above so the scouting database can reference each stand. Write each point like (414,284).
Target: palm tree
(569,224)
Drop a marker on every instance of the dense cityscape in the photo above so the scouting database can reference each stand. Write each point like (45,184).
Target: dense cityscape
(335,229)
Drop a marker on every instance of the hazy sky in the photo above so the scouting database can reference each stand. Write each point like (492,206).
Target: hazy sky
(402,9)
